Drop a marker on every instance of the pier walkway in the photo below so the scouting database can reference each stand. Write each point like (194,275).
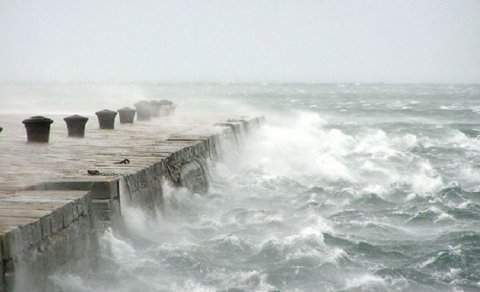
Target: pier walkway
(48,198)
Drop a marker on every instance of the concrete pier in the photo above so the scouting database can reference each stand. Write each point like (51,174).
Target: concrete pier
(55,197)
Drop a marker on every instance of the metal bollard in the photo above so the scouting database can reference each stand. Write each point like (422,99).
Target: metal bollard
(76,125)
(165,102)
(126,115)
(1,129)
(38,129)
(143,110)
(155,108)
(166,107)
(106,119)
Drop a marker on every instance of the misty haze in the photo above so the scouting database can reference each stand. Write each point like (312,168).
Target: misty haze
(240,145)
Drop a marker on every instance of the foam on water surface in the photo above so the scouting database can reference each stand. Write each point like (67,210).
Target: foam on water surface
(347,188)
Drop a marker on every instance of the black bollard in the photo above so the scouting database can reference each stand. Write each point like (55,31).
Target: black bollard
(155,108)
(1,129)
(76,125)
(38,129)
(106,119)
(126,115)
(143,110)
(166,107)
(165,102)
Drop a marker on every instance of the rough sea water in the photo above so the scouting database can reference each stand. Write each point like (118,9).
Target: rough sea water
(346,188)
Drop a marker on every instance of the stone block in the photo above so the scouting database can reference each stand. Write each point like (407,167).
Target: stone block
(19,239)
(102,215)
(101,204)
(100,187)
(105,189)
(106,209)
(46,227)
(2,276)
(83,205)
(243,124)
(1,246)
(69,212)
(193,177)
(56,221)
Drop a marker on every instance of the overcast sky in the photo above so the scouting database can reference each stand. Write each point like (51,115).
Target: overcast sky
(240,41)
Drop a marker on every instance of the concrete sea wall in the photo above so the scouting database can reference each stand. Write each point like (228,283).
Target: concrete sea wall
(51,214)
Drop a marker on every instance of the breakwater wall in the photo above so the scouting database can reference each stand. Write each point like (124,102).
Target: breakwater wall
(56,198)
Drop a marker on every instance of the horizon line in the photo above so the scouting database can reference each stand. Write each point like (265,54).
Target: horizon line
(242,82)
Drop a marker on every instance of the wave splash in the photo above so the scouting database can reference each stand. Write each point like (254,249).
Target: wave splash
(317,201)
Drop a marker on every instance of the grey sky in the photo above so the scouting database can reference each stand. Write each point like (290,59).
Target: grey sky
(271,41)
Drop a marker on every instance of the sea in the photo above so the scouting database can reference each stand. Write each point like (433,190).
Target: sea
(346,187)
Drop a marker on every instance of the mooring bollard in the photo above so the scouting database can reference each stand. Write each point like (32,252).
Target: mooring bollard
(126,115)
(165,102)
(38,129)
(76,125)
(166,107)
(155,108)
(143,110)
(106,119)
